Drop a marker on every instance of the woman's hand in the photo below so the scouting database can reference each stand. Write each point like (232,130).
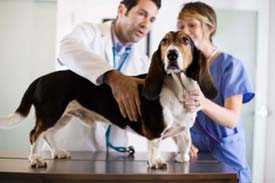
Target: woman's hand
(193,153)
(227,115)
(194,99)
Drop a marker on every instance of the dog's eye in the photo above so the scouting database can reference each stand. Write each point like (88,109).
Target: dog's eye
(165,41)
(185,41)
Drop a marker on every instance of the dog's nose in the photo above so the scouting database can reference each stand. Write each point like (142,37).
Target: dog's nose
(172,55)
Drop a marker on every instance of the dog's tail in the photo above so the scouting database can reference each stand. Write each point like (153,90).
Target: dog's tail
(22,111)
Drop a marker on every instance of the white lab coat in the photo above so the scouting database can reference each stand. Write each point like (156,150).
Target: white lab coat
(87,51)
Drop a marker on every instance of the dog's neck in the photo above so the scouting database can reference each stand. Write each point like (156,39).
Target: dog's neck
(178,84)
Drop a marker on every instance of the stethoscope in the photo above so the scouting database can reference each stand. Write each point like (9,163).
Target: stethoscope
(118,66)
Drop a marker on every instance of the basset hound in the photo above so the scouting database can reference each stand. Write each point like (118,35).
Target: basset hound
(176,66)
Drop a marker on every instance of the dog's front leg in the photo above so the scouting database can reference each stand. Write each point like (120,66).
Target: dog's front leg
(155,159)
(183,141)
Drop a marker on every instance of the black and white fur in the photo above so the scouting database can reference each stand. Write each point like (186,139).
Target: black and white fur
(61,95)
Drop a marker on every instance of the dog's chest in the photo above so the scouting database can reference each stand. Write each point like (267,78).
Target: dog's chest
(173,110)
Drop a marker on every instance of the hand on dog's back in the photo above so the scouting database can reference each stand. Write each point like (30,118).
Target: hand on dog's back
(125,91)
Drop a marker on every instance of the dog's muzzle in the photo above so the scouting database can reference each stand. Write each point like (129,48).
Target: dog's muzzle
(172,59)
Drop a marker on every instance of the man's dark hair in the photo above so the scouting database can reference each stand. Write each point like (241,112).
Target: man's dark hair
(131,3)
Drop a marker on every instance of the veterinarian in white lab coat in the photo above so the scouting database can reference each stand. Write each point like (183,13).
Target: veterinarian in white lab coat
(107,53)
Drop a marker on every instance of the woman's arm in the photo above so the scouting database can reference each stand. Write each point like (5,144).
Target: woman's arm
(227,115)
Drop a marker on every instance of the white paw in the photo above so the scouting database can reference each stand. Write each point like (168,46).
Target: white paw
(182,157)
(157,163)
(61,154)
(37,162)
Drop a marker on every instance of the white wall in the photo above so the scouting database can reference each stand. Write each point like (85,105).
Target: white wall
(233,4)
(27,34)
(27,50)
(270,135)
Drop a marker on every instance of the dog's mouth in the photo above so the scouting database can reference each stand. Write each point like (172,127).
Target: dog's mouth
(173,65)
(172,58)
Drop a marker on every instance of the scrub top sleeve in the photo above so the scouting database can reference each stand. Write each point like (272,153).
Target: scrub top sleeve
(235,80)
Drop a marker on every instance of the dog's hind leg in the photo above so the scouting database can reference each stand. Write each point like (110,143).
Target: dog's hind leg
(48,136)
(49,119)
(88,118)
(35,158)
(73,109)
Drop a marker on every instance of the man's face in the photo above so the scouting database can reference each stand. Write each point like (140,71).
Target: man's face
(136,23)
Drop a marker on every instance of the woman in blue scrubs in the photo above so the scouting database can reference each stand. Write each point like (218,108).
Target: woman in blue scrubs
(217,128)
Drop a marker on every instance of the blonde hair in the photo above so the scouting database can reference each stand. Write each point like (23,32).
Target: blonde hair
(202,12)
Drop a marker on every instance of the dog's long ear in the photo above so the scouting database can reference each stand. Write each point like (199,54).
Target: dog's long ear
(199,71)
(155,77)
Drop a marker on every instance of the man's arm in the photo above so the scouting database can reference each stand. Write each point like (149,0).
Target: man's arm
(76,56)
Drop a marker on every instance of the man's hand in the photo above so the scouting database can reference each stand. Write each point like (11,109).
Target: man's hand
(125,91)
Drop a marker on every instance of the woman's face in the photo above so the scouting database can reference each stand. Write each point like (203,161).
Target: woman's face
(198,31)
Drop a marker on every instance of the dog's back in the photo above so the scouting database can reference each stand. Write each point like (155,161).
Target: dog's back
(51,94)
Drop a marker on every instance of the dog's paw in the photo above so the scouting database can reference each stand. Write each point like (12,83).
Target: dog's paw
(61,154)
(157,163)
(37,162)
(182,157)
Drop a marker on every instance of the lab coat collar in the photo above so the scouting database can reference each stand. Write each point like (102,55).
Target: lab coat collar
(132,68)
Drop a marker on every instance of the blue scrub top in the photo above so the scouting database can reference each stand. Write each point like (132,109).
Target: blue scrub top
(230,78)
(226,145)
